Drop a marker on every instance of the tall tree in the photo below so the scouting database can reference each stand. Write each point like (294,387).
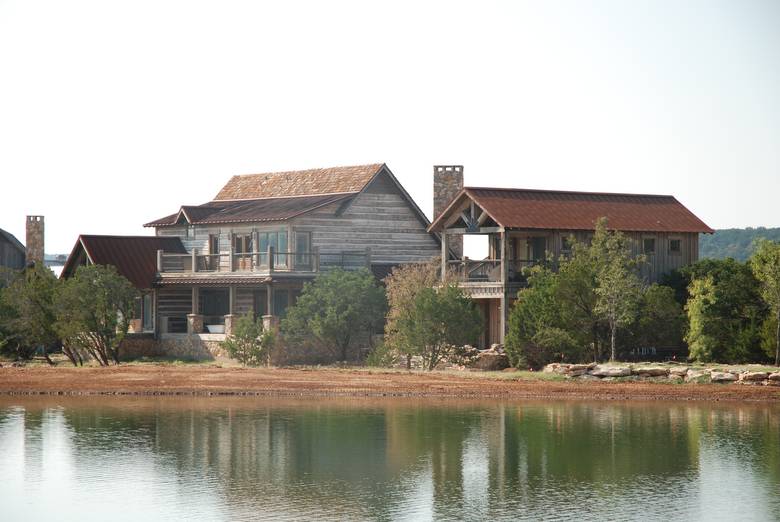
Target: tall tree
(29,311)
(94,308)
(335,307)
(765,264)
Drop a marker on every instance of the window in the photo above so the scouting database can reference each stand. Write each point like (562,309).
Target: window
(566,243)
(148,317)
(242,247)
(648,245)
(303,258)
(675,246)
(277,240)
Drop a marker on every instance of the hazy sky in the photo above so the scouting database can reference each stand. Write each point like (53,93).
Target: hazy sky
(113,113)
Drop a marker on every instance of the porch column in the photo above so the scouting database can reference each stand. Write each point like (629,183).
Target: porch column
(231,299)
(269,320)
(504,300)
(444,253)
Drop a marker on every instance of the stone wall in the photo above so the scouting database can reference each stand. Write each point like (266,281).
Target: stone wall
(182,346)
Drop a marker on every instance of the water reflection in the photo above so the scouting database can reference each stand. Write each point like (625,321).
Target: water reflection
(244,459)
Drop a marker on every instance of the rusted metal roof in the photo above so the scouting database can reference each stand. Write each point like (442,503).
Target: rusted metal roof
(135,257)
(334,180)
(549,209)
(255,210)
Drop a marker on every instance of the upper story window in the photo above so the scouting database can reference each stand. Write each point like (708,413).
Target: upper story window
(675,246)
(303,256)
(648,246)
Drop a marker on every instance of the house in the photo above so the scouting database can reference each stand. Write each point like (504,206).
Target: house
(526,227)
(251,249)
(12,253)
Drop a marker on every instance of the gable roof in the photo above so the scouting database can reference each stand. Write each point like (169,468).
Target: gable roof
(12,240)
(135,257)
(334,180)
(242,211)
(561,210)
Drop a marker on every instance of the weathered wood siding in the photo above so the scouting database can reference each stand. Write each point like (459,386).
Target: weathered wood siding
(10,255)
(379,218)
(661,262)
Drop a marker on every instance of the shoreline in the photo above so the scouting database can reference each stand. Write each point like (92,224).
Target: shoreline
(166,380)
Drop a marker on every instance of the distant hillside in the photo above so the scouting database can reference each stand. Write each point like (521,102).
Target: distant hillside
(734,242)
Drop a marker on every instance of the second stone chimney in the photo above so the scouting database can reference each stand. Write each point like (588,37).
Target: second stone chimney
(447,182)
(34,242)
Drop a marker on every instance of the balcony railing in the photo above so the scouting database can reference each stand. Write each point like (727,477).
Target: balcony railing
(299,262)
(489,270)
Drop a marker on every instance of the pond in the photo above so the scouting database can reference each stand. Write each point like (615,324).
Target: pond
(364,459)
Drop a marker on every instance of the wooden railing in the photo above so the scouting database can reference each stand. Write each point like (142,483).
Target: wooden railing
(265,262)
(489,270)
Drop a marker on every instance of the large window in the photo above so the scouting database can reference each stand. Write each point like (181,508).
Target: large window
(278,240)
(648,246)
(242,248)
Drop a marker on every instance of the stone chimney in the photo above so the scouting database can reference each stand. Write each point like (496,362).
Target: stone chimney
(34,241)
(447,182)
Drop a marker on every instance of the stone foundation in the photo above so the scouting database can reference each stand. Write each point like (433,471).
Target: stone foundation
(203,347)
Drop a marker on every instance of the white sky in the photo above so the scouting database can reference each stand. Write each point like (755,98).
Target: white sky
(113,114)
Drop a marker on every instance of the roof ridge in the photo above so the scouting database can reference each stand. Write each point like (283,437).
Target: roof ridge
(582,192)
(308,170)
(282,197)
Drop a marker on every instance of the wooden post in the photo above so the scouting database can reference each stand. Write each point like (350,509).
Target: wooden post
(315,262)
(230,252)
(195,297)
(504,266)
(368,258)
(270,259)
(269,308)
(231,299)
(444,254)
(194,260)
(159,261)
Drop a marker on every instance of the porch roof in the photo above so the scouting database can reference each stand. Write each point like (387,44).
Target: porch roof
(549,209)
(213,281)
(135,257)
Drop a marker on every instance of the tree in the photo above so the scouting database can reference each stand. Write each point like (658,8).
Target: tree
(765,264)
(94,308)
(335,308)
(660,319)
(28,311)
(250,344)
(440,320)
(618,287)
(403,285)
(725,311)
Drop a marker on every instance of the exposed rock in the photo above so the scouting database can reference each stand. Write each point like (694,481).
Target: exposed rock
(491,361)
(650,371)
(577,367)
(774,376)
(610,371)
(696,375)
(673,377)
(716,376)
(678,370)
(753,376)
(587,377)
(576,373)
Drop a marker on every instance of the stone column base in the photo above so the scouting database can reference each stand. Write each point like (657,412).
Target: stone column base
(229,320)
(194,324)
(270,322)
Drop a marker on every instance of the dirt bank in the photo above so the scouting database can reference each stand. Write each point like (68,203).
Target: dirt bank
(157,379)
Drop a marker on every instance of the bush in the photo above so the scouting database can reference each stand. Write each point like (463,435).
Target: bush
(381,356)
(250,344)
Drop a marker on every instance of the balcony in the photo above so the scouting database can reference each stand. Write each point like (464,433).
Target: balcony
(260,263)
(489,270)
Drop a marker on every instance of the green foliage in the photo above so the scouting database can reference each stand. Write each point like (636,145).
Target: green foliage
(27,312)
(439,321)
(661,321)
(403,285)
(93,309)
(725,312)
(250,344)
(618,288)
(541,326)
(765,264)
(381,356)
(736,243)
(335,308)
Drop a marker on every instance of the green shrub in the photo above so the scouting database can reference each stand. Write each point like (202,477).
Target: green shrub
(250,344)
